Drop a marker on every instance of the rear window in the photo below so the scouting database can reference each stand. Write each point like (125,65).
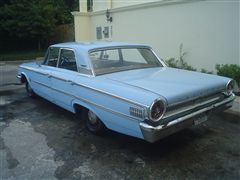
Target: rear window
(106,61)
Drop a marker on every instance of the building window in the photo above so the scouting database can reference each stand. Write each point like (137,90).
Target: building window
(89,5)
(106,32)
(99,32)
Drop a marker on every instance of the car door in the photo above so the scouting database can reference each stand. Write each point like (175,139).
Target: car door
(41,79)
(62,78)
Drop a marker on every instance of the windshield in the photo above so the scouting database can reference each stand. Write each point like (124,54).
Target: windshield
(106,61)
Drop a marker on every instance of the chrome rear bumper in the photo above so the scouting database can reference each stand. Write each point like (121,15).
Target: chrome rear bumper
(152,133)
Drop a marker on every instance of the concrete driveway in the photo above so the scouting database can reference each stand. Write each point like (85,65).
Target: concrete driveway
(39,140)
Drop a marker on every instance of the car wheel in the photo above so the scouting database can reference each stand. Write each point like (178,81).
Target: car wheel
(93,123)
(29,90)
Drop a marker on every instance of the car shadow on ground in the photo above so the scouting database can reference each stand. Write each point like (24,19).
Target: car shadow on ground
(113,139)
(177,140)
(66,134)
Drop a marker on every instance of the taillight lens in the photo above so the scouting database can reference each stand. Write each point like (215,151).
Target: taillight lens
(229,87)
(157,110)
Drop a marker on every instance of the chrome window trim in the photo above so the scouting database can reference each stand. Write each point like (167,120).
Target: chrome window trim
(68,49)
(117,47)
(76,58)
(122,47)
(47,54)
(159,59)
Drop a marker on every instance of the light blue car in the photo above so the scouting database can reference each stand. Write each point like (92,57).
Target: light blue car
(125,87)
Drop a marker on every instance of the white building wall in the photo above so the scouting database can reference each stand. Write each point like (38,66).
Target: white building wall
(82,27)
(209,30)
(99,5)
(124,3)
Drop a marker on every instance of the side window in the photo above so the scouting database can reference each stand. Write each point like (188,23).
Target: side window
(67,60)
(52,57)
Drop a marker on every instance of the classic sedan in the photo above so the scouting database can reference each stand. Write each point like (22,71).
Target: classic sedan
(125,87)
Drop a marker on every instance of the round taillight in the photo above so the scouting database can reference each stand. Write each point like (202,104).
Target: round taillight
(157,110)
(229,87)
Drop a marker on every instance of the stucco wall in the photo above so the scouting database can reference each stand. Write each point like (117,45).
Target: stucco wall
(82,27)
(209,30)
(124,3)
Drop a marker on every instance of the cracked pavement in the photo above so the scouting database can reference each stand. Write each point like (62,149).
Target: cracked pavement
(39,140)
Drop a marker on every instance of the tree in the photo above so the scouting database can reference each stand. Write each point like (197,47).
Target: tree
(72,5)
(35,19)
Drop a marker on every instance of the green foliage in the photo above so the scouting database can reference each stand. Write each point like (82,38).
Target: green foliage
(205,71)
(229,70)
(21,55)
(180,62)
(172,62)
(35,19)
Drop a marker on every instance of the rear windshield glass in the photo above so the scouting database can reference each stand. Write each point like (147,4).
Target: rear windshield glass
(106,61)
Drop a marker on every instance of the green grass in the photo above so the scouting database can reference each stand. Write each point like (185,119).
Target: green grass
(21,55)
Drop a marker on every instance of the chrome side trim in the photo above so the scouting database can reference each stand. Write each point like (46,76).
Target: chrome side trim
(92,103)
(190,107)
(32,69)
(194,98)
(112,95)
(59,78)
(95,89)
(41,84)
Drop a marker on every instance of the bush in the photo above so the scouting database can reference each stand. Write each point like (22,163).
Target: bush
(180,63)
(229,70)
(206,71)
(21,55)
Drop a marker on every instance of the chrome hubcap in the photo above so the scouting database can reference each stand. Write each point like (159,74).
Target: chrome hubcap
(92,117)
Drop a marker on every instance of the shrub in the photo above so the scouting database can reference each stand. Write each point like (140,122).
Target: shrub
(180,62)
(229,70)
(206,71)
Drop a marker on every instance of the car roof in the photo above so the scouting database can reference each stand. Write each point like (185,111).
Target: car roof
(87,46)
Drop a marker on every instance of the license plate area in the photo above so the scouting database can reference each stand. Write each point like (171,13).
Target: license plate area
(200,119)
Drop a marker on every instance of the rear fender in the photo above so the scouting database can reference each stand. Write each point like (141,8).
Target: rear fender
(85,105)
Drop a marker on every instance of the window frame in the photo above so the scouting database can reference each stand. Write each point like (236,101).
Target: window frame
(47,54)
(120,54)
(59,54)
